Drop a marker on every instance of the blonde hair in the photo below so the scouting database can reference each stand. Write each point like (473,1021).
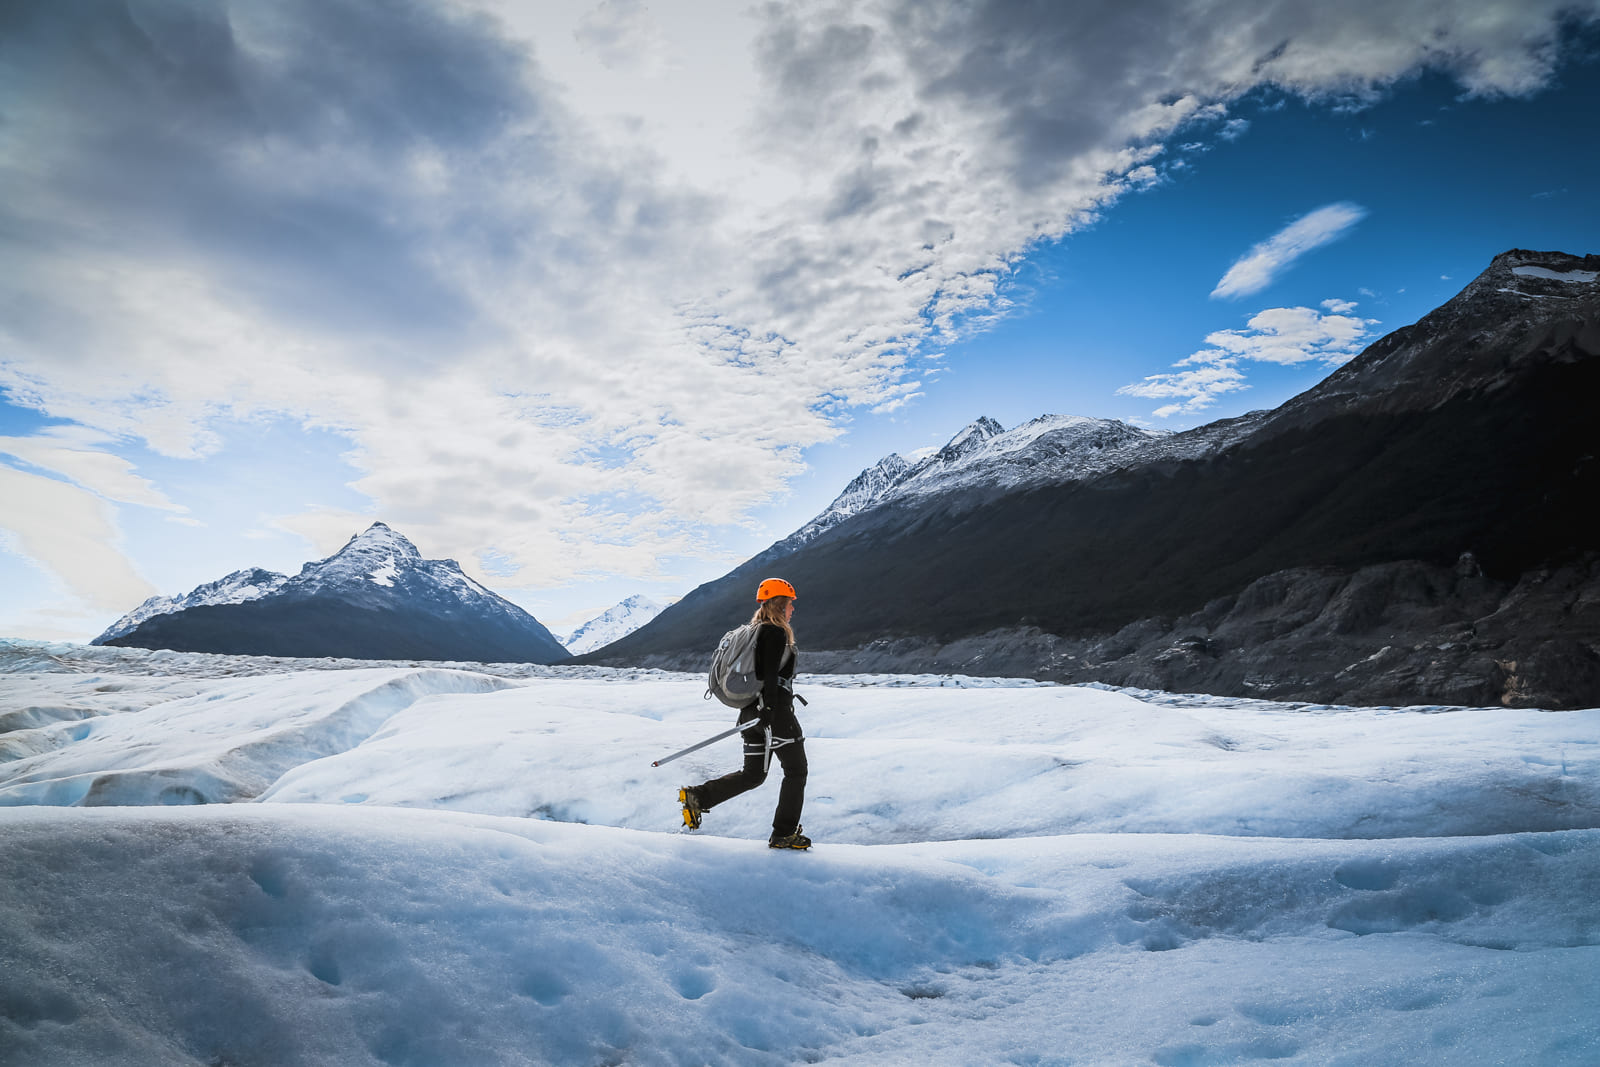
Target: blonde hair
(772,611)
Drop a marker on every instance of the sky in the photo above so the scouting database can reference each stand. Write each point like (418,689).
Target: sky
(602,299)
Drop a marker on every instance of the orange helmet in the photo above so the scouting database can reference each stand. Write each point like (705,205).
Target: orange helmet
(772,587)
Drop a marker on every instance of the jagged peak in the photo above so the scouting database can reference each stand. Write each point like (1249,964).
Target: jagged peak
(243,574)
(880,474)
(893,463)
(1560,262)
(1057,421)
(971,437)
(381,536)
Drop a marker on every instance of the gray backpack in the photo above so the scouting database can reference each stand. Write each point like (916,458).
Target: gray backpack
(732,679)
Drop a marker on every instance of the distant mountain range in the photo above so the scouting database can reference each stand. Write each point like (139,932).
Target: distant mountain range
(376,598)
(1414,529)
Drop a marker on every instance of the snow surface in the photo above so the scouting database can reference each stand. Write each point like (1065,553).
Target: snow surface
(465,867)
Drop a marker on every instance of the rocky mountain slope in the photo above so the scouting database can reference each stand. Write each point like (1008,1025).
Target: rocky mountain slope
(376,598)
(1414,529)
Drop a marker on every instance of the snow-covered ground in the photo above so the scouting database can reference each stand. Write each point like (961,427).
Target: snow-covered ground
(446,866)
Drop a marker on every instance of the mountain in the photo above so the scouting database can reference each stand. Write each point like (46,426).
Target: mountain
(613,623)
(1413,529)
(251,583)
(1051,447)
(376,598)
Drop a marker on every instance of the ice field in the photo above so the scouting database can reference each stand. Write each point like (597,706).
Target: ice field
(217,860)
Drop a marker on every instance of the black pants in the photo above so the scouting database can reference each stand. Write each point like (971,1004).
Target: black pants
(791,794)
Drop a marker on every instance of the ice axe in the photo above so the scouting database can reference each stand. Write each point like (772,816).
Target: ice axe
(747,724)
(702,744)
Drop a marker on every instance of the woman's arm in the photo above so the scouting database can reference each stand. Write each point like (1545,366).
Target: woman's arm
(777,703)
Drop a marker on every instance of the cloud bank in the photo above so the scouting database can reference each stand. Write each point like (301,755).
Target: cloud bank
(566,321)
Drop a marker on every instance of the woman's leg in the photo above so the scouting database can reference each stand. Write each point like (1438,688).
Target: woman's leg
(792,793)
(752,774)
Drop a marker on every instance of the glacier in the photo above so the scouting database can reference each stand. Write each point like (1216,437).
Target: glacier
(418,864)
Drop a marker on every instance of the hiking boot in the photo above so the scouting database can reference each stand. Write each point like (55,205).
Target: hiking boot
(794,840)
(691,807)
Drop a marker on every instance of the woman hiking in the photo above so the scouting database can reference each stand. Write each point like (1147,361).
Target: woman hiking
(773,729)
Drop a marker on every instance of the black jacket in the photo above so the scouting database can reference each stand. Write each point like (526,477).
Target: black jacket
(776,705)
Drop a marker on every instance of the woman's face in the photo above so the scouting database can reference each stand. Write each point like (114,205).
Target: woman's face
(788,611)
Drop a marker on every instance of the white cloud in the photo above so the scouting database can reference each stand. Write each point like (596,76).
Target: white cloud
(1290,336)
(584,294)
(1284,336)
(1200,388)
(70,533)
(76,452)
(1261,266)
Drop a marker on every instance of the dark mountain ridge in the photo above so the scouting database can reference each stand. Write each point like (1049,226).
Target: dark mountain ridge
(1434,494)
(376,598)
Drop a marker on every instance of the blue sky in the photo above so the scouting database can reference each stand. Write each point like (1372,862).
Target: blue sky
(603,298)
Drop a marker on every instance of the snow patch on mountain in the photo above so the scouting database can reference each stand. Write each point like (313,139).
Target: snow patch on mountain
(252,583)
(384,575)
(1583,276)
(614,623)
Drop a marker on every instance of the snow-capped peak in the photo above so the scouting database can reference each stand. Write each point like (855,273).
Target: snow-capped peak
(970,439)
(374,598)
(613,624)
(984,453)
(377,555)
(380,539)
